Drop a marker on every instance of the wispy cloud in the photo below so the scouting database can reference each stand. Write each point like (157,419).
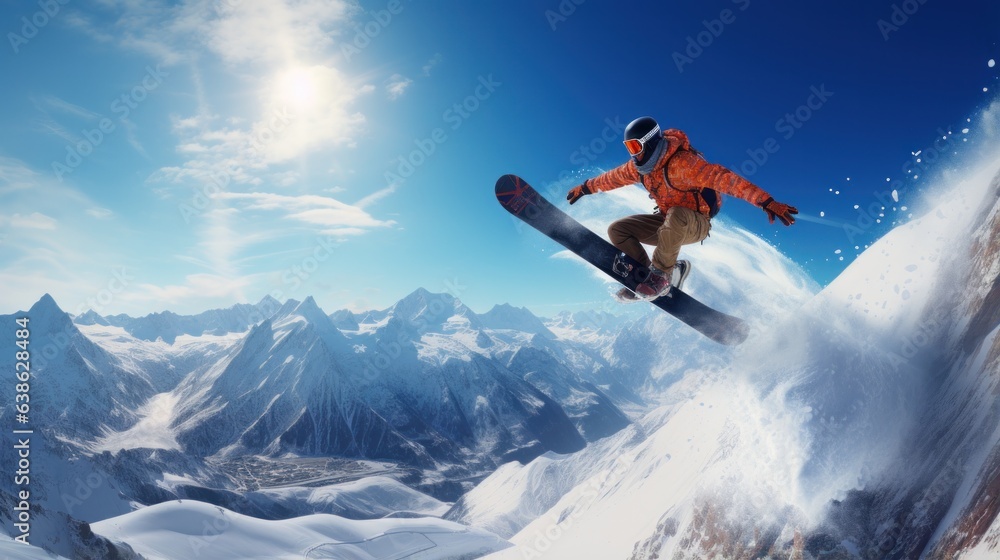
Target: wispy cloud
(327,214)
(212,287)
(52,102)
(35,220)
(434,61)
(289,99)
(15,176)
(49,242)
(375,197)
(397,86)
(100,213)
(281,51)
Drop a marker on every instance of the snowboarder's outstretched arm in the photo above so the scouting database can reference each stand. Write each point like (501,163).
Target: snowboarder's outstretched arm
(625,174)
(689,170)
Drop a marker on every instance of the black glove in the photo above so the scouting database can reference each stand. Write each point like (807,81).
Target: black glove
(778,210)
(577,192)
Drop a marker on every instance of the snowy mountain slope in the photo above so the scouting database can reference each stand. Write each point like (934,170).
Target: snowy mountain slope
(657,476)
(369,498)
(508,317)
(167,326)
(78,387)
(415,386)
(14,550)
(593,412)
(866,426)
(186,529)
(58,534)
(297,384)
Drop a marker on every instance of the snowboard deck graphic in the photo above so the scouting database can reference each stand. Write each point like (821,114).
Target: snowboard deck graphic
(521,200)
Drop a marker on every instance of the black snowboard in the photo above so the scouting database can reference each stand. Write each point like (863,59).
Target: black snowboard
(517,196)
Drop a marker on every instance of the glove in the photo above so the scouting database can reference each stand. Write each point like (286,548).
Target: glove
(778,210)
(577,192)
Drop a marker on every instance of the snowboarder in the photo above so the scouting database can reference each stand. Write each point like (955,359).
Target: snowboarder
(684,186)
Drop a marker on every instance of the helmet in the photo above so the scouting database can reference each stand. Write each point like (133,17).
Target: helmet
(642,136)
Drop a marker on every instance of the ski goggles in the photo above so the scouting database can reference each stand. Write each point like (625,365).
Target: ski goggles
(636,145)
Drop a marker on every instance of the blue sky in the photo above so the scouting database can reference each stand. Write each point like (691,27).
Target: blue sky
(189,155)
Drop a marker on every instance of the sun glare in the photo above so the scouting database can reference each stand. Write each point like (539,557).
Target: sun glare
(297,87)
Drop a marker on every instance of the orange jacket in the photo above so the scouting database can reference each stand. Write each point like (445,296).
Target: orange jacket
(688,172)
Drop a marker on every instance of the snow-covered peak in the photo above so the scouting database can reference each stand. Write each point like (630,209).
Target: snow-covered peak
(344,320)
(596,320)
(90,317)
(311,312)
(506,316)
(268,302)
(426,311)
(48,313)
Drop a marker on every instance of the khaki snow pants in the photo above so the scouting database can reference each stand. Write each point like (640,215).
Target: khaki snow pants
(679,226)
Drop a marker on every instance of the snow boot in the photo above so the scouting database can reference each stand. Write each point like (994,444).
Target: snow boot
(656,284)
(681,271)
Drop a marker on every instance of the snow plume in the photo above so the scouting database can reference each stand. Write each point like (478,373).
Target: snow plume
(856,422)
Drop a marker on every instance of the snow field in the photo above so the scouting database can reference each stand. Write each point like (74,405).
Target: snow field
(185,529)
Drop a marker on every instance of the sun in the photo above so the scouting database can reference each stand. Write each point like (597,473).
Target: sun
(298,87)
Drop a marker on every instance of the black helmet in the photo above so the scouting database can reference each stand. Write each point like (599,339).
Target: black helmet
(642,136)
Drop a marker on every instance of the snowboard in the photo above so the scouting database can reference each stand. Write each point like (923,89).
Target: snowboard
(521,200)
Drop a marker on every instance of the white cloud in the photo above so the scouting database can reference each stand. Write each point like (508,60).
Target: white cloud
(397,86)
(52,102)
(283,97)
(279,50)
(99,213)
(344,232)
(35,220)
(375,196)
(312,210)
(276,32)
(434,61)
(15,176)
(196,286)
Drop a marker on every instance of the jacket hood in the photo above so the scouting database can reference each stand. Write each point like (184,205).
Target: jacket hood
(673,140)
